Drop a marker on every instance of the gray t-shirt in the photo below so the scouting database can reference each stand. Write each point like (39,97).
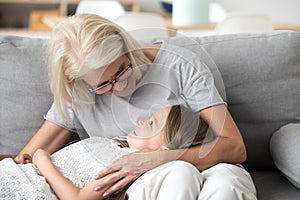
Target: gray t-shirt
(178,75)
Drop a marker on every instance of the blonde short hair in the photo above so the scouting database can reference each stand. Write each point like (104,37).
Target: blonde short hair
(81,43)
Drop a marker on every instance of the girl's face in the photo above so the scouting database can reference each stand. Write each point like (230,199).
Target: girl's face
(149,133)
(115,78)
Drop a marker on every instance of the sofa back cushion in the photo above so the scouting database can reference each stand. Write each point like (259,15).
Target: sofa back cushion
(24,90)
(261,74)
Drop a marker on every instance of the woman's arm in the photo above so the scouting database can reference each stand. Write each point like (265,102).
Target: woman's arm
(228,147)
(49,137)
(62,187)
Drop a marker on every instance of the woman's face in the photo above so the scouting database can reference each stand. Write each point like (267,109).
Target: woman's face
(149,133)
(116,78)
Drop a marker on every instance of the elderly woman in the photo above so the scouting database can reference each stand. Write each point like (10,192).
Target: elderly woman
(103,82)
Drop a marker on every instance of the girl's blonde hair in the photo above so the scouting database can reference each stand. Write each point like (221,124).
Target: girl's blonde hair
(81,43)
(184,128)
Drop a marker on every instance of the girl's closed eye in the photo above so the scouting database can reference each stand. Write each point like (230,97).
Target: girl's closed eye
(151,123)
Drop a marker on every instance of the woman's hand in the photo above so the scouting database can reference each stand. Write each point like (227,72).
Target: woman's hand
(128,168)
(23,159)
(26,158)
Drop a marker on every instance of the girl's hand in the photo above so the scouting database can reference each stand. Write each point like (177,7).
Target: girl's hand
(23,159)
(127,169)
(39,156)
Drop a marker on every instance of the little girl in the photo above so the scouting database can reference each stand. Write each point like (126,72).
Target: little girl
(69,172)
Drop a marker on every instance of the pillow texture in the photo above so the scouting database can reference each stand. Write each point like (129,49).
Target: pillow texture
(285,148)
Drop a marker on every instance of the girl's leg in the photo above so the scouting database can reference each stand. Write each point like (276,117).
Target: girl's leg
(227,181)
(176,180)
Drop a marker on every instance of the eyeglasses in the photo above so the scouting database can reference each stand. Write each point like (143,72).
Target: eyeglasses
(121,75)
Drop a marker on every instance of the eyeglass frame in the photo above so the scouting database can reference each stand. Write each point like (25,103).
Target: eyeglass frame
(116,79)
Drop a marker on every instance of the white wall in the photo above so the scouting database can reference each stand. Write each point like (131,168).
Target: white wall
(150,5)
(278,10)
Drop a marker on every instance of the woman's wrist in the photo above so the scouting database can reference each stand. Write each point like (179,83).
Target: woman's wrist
(173,154)
(166,155)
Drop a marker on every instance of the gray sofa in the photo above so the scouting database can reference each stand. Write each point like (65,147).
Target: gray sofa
(261,74)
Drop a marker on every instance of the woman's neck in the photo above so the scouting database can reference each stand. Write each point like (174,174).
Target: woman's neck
(151,51)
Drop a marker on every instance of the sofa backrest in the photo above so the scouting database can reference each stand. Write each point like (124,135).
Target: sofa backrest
(24,92)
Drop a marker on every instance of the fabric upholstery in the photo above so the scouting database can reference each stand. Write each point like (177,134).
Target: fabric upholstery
(271,185)
(261,74)
(25,95)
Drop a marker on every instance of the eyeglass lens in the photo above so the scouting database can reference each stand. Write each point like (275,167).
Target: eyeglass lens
(109,86)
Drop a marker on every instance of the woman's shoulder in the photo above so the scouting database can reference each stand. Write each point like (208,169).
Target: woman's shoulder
(176,51)
(187,55)
(181,41)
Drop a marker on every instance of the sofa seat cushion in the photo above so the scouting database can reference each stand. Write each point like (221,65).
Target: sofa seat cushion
(273,186)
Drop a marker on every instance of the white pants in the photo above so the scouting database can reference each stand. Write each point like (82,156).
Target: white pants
(180,180)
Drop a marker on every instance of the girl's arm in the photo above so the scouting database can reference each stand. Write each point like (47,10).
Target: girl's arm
(62,187)
(49,137)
